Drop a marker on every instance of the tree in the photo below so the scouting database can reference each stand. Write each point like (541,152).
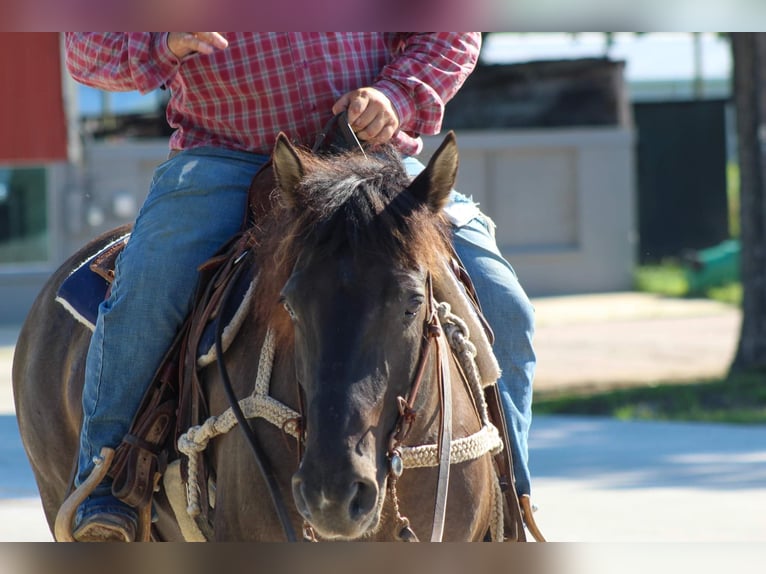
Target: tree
(749,51)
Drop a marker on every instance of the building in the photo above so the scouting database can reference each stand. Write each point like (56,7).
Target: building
(562,196)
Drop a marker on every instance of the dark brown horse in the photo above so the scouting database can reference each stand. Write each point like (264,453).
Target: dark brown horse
(345,260)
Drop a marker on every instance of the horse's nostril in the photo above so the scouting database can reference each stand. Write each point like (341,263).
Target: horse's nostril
(363,499)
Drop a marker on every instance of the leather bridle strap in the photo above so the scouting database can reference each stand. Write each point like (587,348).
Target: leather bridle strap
(407,406)
(445,434)
(433,336)
(340,121)
(259,455)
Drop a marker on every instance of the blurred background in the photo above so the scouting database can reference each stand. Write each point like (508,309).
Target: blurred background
(626,177)
(599,155)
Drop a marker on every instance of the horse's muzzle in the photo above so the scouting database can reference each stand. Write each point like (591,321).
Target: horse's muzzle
(345,509)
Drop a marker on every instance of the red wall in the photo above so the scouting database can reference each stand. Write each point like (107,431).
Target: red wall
(32,118)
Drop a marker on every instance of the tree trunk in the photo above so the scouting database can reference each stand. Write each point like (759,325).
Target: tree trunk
(749,50)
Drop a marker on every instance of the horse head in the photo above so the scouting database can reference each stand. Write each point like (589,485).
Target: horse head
(364,237)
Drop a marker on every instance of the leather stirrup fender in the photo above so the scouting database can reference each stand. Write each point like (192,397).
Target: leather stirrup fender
(504,460)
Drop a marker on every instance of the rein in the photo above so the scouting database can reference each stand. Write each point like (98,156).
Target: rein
(260,457)
(340,121)
(350,141)
(443,454)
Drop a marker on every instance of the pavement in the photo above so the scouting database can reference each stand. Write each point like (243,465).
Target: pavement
(628,339)
(595,479)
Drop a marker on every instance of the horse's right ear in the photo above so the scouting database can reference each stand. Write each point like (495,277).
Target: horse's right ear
(288,169)
(434,184)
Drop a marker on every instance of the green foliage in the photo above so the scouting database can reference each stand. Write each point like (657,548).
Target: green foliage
(739,399)
(666,279)
(669,279)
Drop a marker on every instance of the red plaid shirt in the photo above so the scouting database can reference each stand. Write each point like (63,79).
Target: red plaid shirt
(242,96)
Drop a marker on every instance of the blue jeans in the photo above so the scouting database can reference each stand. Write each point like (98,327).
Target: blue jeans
(508,311)
(196,202)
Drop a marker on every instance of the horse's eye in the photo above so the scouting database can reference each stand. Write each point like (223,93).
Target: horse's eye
(413,306)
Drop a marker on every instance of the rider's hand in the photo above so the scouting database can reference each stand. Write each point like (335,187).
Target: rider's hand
(370,114)
(184,43)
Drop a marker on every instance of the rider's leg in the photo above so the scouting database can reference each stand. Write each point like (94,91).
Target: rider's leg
(195,203)
(510,314)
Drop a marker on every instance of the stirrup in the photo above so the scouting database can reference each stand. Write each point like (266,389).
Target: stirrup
(529,518)
(63,526)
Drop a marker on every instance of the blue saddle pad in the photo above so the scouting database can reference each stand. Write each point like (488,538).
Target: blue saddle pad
(83,290)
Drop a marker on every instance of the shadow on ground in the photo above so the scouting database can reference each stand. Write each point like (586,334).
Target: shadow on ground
(616,454)
(16,478)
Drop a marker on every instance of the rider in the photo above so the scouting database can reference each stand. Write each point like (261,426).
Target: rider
(230,94)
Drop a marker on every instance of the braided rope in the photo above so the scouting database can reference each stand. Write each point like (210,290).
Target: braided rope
(487,439)
(496,526)
(261,405)
(458,336)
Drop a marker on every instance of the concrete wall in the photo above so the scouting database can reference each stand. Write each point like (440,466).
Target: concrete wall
(112,186)
(563,201)
(82,203)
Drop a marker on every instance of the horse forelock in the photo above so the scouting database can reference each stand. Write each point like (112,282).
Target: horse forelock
(360,206)
(351,205)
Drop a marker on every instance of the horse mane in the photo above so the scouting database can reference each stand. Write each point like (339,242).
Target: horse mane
(348,204)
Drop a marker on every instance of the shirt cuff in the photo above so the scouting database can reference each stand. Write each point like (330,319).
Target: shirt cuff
(400,99)
(167,62)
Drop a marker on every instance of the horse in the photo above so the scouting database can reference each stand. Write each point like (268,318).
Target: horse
(344,261)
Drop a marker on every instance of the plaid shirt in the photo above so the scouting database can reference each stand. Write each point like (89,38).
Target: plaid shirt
(242,96)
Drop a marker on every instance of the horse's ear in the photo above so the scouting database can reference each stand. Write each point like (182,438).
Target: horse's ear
(288,169)
(434,184)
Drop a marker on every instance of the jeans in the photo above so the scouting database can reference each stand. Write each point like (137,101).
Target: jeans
(509,313)
(196,202)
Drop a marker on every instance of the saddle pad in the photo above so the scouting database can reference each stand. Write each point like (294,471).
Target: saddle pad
(83,290)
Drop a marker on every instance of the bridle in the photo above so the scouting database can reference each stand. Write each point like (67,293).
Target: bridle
(438,322)
(433,338)
(341,122)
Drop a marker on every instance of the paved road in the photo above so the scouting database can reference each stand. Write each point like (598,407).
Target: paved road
(595,479)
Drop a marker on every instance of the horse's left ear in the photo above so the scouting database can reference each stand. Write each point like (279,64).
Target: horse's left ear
(288,169)
(434,184)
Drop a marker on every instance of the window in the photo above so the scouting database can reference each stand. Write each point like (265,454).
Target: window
(23,215)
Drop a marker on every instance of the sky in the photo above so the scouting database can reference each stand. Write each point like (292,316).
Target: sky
(654,56)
